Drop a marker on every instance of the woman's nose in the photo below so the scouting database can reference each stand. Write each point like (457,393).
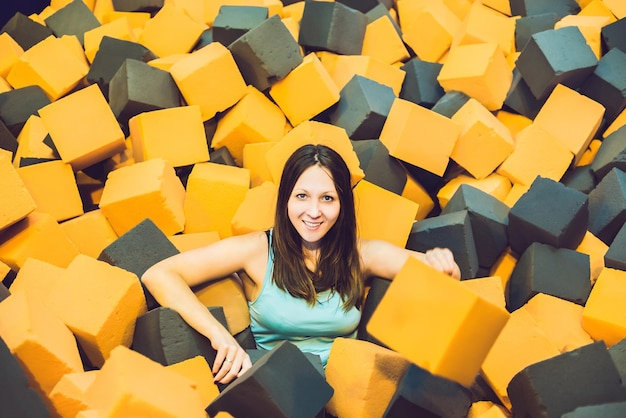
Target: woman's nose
(314,209)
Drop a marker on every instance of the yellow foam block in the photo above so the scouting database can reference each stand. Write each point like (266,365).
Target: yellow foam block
(17,202)
(30,141)
(118,29)
(105,303)
(537,153)
(306,91)
(312,132)
(171,31)
(294,10)
(560,320)
(619,121)
(347,66)
(595,248)
(186,242)
(253,158)
(382,214)
(494,184)
(516,191)
(520,344)
(590,153)
(43,345)
(603,314)
(36,278)
(175,134)
(199,372)
(419,136)
(256,211)
(436,322)
(503,266)
(75,46)
(214,192)
(513,121)
(91,232)
(136,20)
(68,395)
(478,70)
(53,187)
(227,293)
(364,377)
(484,24)
(571,118)
(428,28)
(38,236)
(597,8)
(149,189)
(418,194)
(133,385)
(10,52)
(255,118)
(484,141)
(209,78)
(293,26)
(50,64)
(83,127)
(617,8)
(490,288)
(383,42)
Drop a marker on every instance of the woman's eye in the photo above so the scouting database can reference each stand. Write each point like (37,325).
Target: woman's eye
(327,198)
(300,196)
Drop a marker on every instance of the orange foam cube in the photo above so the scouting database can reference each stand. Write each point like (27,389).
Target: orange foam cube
(53,187)
(436,322)
(364,377)
(595,248)
(199,372)
(118,29)
(256,211)
(415,192)
(419,136)
(513,121)
(382,214)
(306,91)
(227,293)
(91,232)
(209,78)
(253,158)
(254,119)
(503,267)
(490,288)
(603,314)
(484,141)
(36,278)
(478,70)
(10,52)
(484,24)
(383,42)
(175,134)
(30,141)
(494,184)
(83,127)
(105,303)
(68,395)
(150,185)
(17,202)
(214,192)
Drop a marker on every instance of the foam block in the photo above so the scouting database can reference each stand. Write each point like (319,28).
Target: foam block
(383,41)
(75,18)
(36,278)
(438,308)
(119,28)
(233,21)
(601,314)
(376,289)
(34,143)
(266,53)
(283,382)
(379,167)
(153,186)
(91,232)
(68,395)
(615,256)
(452,230)
(213,194)
(539,390)
(345,67)
(520,99)
(209,77)
(482,23)
(613,35)
(257,210)
(382,214)
(618,354)
(559,272)
(19,104)
(420,84)
(26,32)
(332,27)
(494,184)
(429,146)
(13,190)
(11,51)
(560,220)
(533,7)
(450,103)
(608,155)
(526,26)
(198,370)
(107,301)
(364,376)
(606,206)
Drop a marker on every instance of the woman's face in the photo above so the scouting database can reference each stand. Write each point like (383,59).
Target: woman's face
(313,206)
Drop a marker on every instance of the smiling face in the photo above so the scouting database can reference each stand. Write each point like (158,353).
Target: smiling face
(313,206)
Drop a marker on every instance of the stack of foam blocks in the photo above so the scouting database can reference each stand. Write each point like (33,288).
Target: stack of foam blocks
(132,130)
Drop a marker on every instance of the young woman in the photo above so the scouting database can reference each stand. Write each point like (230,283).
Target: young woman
(303,279)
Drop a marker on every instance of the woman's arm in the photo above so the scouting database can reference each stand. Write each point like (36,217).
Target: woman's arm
(170,282)
(383,259)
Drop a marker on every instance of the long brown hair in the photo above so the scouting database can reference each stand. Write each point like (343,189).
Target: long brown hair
(338,264)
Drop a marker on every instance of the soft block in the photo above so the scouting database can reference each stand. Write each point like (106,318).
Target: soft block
(450,102)
(615,257)
(257,210)
(381,169)
(437,323)
(609,154)
(175,134)
(68,395)
(97,136)
(607,206)
(310,79)
(198,370)
(549,213)
(11,51)
(213,194)
(151,185)
(613,35)
(484,24)
(91,232)
(209,77)
(253,156)
(602,314)
(483,143)
(17,202)
(26,31)
(530,7)
(520,99)
(364,376)
(383,41)
(478,70)
(118,28)
(417,193)
(595,249)
(34,142)
(36,278)
(233,21)
(420,84)
(106,301)
(494,184)
(419,136)
(347,66)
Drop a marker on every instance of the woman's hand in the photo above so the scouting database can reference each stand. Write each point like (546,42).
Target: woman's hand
(442,259)
(231,361)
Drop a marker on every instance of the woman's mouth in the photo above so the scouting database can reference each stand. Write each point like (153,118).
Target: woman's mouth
(311,224)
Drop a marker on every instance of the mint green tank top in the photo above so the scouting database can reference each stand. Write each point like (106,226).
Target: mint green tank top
(276,316)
